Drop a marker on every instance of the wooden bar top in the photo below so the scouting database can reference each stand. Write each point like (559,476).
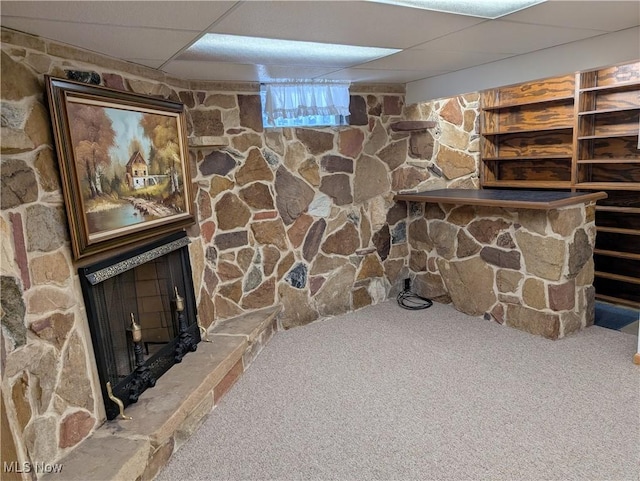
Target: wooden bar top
(515,199)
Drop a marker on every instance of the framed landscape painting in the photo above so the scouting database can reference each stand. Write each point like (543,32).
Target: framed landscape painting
(123,162)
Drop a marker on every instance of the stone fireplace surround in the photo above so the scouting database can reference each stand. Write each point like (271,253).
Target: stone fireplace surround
(143,283)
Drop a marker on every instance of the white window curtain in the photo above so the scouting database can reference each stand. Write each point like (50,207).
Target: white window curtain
(303,99)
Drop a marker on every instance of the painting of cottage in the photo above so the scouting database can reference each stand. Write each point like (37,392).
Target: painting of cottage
(136,175)
(117,192)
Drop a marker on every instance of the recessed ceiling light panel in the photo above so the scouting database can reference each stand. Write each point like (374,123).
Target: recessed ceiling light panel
(268,51)
(475,8)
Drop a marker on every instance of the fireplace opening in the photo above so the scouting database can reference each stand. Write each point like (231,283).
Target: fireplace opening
(142,317)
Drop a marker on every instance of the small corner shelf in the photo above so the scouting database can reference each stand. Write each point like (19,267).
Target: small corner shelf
(207,142)
(413,125)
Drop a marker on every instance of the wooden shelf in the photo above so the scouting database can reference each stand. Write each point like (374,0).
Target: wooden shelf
(618,230)
(619,255)
(618,300)
(617,277)
(208,142)
(526,131)
(621,210)
(608,161)
(622,86)
(530,157)
(608,111)
(413,125)
(516,199)
(608,185)
(625,210)
(563,99)
(529,184)
(609,136)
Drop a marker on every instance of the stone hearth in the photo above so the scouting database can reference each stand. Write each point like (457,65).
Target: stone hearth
(164,417)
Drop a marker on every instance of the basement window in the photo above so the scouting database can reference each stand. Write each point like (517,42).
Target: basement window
(304,104)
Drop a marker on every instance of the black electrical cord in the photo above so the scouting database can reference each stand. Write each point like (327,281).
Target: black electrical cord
(413,302)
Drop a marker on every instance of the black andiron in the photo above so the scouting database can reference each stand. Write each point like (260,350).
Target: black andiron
(186,341)
(142,377)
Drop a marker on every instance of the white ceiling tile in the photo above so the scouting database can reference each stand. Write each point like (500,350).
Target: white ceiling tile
(382,76)
(226,71)
(251,50)
(499,36)
(120,42)
(419,59)
(185,15)
(350,23)
(219,71)
(598,15)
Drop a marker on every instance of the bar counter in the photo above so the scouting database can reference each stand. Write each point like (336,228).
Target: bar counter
(521,258)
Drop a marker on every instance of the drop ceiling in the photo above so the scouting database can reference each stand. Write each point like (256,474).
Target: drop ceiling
(157,33)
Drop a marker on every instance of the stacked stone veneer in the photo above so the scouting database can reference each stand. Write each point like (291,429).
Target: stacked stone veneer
(525,268)
(297,217)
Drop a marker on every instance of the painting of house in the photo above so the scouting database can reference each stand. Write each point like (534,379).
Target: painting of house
(136,176)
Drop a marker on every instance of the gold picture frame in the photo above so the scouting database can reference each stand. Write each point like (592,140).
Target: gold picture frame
(124,165)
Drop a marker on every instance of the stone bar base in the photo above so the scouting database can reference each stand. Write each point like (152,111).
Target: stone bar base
(166,415)
(526,268)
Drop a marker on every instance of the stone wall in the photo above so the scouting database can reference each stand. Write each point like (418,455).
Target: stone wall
(528,269)
(298,217)
(450,152)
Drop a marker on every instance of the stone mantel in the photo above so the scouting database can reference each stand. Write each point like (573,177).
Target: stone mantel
(521,258)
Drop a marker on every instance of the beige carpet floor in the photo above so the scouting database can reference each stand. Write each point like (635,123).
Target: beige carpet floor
(389,394)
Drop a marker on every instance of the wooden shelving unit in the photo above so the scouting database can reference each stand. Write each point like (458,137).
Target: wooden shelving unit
(607,158)
(576,132)
(527,134)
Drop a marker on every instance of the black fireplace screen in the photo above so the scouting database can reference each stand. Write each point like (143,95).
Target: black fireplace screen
(142,316)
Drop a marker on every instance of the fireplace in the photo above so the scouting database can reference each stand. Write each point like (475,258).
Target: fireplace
(142,317)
